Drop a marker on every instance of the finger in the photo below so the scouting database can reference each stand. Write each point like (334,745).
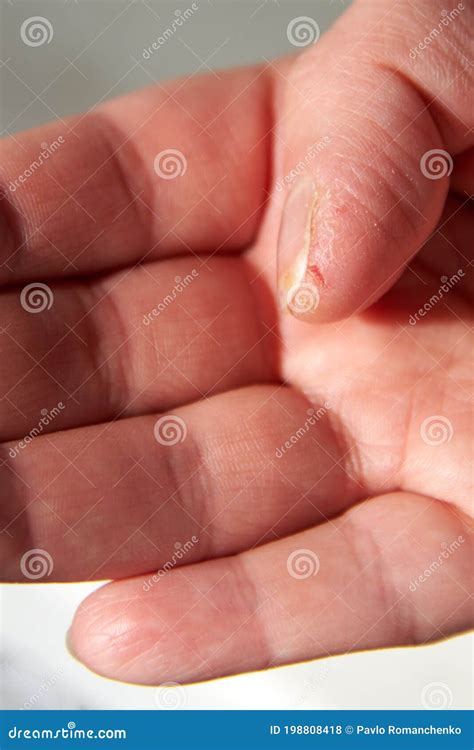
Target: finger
(386,371)
(120,499)
(142,340)
(348,585)
(462,179)
(143,176)
(370,135)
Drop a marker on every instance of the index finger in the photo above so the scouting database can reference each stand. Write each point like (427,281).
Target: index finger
(140,177)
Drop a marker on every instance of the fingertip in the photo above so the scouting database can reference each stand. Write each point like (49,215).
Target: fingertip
(106,632)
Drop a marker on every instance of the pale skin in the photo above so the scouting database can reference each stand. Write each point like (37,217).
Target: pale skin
(371,492)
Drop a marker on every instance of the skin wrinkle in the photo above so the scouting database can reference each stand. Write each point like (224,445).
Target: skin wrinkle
(116,387)
(428,103)
(403,176)
(147,653)
(361,464)
(93,611)
(423,260)
(381,59)
(388,139)
(385,588)
(349,446)
(12,234)
(404,442)
(11,543)
(105,126)
(226,119)
(410,214)
(250,598)
(159,366)
(193,500)
(418,635)
(263,338)
(384,229)
(346,447)
(208,500)
(443,114)
(406,482)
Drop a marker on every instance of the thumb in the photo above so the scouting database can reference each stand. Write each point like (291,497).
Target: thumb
(368,124)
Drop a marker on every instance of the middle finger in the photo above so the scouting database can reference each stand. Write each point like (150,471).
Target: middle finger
(132,342)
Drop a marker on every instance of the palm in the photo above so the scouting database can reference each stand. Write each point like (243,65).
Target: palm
(399,382)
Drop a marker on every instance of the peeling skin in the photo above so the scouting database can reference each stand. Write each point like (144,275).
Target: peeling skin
(316,274)
(299,270)
(295,274)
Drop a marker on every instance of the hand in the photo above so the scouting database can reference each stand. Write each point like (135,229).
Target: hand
(273,475)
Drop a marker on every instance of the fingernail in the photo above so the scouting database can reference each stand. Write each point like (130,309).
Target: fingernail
(297,281)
